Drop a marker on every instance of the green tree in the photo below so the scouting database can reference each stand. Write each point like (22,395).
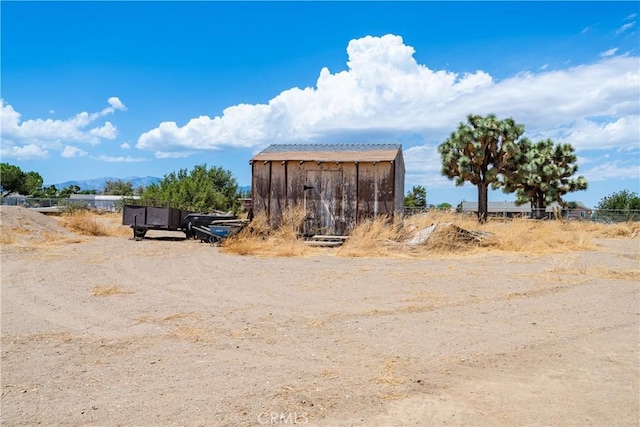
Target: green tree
(444,206)
(67,191)
(11,177)
(46,192)
(202,189)
(416,198)
(14,180)
(571,205)
(543,173)
(118,188)
(32,183)
(480,150)
(624,200)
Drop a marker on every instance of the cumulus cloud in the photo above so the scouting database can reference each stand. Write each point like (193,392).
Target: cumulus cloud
(115,104)
(49,134)
(382,89)
(107,131)
(591,134)
(24,152)
(71,152)
(125,146)
(385,94)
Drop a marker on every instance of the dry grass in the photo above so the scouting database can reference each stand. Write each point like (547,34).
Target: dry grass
(112,222)
(186,326)
(377,237)
(631,275)
(94,223)
(370,238)
(7,237)
(105,291)
(83,222)
(385,237)
(388,375)
(260,240)
(189,333)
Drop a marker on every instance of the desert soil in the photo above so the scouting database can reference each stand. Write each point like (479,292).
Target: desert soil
(110,331)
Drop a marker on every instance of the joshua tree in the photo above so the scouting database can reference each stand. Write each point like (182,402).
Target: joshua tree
(543,174)
(479,151)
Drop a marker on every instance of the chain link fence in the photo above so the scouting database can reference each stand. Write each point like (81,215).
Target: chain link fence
(607,216)
(108,204)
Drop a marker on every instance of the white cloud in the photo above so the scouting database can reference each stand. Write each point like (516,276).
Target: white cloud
(25,152)
(119,159)
(385,95)
(585,30)
(70,152)
(125,146)
(107,131)
(632,16)
(173,155)
(116,104)
(625,27)
(383,88)
(423,165)
(589,134)
(609,52)
(617,169)
(50,134)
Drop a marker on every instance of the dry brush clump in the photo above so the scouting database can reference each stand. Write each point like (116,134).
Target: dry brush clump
(82,222)
(260,239)
(371,238)
(383,237)
(94,223)
(108,290)
(454,235)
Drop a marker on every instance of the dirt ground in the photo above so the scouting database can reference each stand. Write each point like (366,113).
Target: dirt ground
(165,331)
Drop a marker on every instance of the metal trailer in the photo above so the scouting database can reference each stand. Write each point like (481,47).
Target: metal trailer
(219,230)
(144,218)
(204,220)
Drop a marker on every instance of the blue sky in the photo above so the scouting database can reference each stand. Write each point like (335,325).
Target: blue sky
(92,89)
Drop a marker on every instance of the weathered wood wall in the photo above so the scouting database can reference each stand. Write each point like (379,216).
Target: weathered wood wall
(335,195)
(399,171)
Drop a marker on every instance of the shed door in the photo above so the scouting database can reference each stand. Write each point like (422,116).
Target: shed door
(323,202)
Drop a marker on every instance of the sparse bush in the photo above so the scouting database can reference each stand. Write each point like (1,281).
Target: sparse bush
(83,222)
(71,207)
(258,238)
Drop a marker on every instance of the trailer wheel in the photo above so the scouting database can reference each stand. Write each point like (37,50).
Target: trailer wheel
(139,233)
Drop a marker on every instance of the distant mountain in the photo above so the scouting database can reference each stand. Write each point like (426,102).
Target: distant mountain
(99,183)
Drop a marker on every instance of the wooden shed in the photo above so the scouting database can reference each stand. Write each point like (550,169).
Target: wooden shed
(337,185)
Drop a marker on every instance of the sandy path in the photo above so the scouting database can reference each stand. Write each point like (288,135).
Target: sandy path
(202,338)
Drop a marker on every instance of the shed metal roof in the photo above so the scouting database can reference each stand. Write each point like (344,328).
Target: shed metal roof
(329,152)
